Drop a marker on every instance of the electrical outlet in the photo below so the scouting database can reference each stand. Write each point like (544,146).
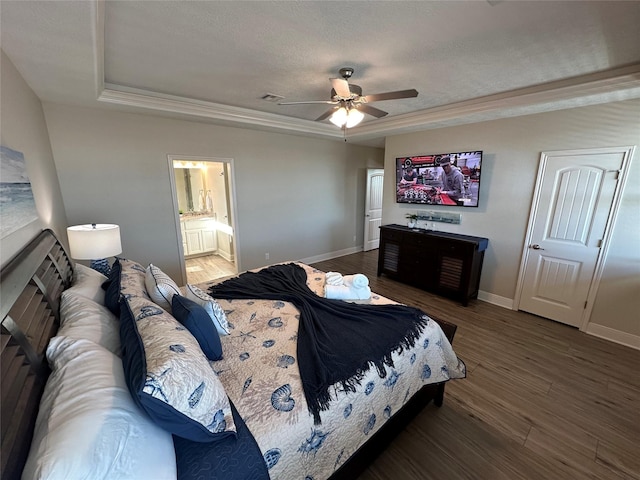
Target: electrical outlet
(354,238)
(266,256)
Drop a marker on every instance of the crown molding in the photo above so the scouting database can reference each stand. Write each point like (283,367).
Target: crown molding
(98,46)
(596,84)
(543,97)
(146,99)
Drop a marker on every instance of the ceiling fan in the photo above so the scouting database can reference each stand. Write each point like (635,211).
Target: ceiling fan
(350,104)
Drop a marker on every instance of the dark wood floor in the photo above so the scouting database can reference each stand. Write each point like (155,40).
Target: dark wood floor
(541,400)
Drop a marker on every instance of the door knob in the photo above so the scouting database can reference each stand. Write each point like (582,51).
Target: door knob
(535,246)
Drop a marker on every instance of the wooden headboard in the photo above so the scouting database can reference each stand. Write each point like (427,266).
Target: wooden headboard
(30,289)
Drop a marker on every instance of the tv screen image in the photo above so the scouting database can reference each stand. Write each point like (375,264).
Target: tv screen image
(439,179)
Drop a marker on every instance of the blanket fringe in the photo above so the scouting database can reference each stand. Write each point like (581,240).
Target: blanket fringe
(324,398)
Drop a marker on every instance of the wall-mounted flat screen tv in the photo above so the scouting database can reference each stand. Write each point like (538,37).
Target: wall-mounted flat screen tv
(439,179)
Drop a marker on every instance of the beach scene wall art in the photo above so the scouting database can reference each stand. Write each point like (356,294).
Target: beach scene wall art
(17,205)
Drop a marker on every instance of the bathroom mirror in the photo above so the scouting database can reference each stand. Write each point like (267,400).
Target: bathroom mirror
(191,187)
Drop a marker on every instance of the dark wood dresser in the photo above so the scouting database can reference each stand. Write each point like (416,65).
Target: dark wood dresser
(448,264)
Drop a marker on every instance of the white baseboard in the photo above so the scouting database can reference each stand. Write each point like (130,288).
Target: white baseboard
(613,335)
(330,255)
(226,255)
(600,331)
(496,299)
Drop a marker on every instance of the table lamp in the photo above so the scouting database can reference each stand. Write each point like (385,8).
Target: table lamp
(95,242)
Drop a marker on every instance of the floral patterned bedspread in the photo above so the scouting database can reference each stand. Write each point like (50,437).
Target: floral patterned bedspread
(260,375)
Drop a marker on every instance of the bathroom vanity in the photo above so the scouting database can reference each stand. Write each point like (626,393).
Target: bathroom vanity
(198,234)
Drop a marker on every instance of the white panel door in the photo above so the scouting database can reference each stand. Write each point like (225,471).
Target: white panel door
(373,209)
(574,198)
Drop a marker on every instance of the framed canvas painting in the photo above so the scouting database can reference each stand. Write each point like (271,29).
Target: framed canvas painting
(17,205)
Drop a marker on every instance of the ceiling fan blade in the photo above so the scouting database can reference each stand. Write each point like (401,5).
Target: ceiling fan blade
(326,114)
(376,97)
(375,112)
(341,86)
(330,102)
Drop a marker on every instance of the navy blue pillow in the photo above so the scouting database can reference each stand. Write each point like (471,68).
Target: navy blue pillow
(196,319)
(112,289)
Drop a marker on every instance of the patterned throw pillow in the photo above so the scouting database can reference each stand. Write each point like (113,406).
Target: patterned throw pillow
(167,373)
(212,307)
(161,287)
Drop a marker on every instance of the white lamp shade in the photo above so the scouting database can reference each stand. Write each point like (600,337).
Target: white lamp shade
(346,117)
(339,117)
(354,117)
(94,241)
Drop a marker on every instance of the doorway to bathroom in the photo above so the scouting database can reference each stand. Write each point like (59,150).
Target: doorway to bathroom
(205,217)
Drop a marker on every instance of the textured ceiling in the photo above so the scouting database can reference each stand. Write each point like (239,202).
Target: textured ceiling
(214,60)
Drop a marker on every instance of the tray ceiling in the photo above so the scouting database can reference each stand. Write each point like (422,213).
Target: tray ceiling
(215,60)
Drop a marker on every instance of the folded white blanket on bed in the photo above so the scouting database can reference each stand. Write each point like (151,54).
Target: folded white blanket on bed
(334,278)
(357,281)
(352,287)
(342,292)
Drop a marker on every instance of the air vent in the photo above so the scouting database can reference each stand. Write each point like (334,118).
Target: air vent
(272,97)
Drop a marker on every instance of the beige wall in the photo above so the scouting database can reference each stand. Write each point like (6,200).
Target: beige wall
(297,197)
(512,149)
(300,197)
(23,128)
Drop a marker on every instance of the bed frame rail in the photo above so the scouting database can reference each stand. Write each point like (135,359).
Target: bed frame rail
(30,289)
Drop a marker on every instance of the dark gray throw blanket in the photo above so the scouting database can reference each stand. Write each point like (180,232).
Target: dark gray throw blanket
(338,341)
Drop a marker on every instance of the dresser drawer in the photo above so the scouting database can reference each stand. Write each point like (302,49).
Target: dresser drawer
(391,235)
(455,248)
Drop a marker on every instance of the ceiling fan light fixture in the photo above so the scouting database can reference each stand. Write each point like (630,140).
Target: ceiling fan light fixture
(346,117)
(339,117)
(349,103)
(354,117)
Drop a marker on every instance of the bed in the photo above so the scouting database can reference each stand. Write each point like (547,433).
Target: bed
(84,379)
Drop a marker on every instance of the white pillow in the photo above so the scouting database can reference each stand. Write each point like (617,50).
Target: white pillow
(212,307)
(161,287)
(81,317)
(88,425)
(88,283)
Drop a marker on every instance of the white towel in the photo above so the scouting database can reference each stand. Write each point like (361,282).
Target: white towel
(358,280)
(343,292)
(334,278)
